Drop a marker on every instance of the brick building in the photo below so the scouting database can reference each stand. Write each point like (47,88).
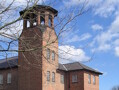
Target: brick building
(37,66)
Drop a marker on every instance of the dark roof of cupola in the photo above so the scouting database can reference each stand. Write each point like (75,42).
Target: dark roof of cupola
(76,66)
(40,7)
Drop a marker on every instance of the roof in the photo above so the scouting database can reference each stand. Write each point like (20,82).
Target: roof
(8,63)
(13,62)
(76,66)
(42,7)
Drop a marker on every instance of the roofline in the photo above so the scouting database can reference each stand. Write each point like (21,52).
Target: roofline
(8,68)
(81,70)
(42,7)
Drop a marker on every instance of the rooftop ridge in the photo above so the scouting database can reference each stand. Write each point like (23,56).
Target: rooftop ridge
(65,67)
(8,59)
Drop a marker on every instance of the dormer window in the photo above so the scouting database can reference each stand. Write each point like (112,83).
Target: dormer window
(50,21)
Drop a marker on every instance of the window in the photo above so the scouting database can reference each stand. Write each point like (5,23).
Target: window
(34,20)
(1,79)
(53,55)
(9,78)
(74,78)
(94,80)
(50,21)
(89,78)
(28,23)
(53,77)
(42,19)
(48,53)
(48,75)
(62,79)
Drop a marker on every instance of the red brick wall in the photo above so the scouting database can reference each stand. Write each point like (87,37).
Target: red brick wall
(77,85)
(91,86)
(30,62)
(82,83)
(49,36)
(14,79)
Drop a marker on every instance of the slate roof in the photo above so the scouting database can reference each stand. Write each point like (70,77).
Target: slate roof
(42,7)
(76,66)
(13,62)
(8,63)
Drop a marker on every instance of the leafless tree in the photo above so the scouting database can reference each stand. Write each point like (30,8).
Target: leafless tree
(11,26)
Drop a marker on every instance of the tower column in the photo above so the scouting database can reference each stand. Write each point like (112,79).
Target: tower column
(39,18)
(31,20)
(24,23)
(46,18)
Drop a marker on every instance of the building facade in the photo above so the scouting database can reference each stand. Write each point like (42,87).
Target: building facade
(37,66)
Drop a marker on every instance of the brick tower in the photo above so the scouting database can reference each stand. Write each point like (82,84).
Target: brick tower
(38,60)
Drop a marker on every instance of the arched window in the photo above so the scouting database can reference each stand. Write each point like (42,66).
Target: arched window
(42,19)
(50,21)
(28,23)
(34,20)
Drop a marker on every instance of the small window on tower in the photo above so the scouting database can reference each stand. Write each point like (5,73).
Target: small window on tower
(50,21)
(53,55)
(28,23)
(48,53)
(53,76)
(48,75)
(34,20)
(42,19)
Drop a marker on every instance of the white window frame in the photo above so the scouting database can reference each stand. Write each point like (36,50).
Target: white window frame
(89,79)
(48,53)
(9,78)
(62,78)
(94,80)
(53,76)
(48,75)
(53,55)
(1,79)
(74,78)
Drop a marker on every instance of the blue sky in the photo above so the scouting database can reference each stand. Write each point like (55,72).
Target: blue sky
(94,37)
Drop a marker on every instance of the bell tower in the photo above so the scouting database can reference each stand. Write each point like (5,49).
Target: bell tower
(38,49)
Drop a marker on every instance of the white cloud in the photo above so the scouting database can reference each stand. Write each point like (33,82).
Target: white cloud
(106,8)
(107,39)
(103,8)
(24,3)
(77,2)
(72,2)
(116,42)
(70,54)
(96,27)
(104,47)
(77,38)
(117,51)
